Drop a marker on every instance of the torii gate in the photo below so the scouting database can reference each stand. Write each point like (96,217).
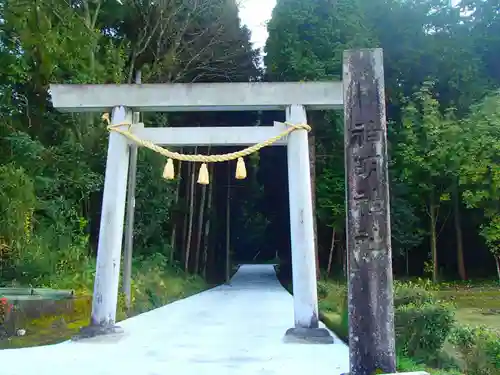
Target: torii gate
(361,94)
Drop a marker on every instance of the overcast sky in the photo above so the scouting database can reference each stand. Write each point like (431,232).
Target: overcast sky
(255,14)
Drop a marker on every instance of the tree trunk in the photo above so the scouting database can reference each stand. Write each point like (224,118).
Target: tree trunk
(330,256)
(433,222)
(345,260)
(200,225)
(497,260)
(200,228)
(341,253)
(191,215)
(407,261)
(176,202)
(90,21)
(207,224)
(189,172)
(312,168)
(458,234)
(228,226)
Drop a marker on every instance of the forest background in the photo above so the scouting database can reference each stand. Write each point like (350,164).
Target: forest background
(443,109)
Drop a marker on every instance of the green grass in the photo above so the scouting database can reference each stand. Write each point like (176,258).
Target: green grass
(475,305)
(334,322)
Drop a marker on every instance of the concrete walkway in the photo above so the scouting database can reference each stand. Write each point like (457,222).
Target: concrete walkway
(236,329)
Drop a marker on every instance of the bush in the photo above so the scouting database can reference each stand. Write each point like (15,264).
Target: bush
(322,289)
(55,257)
(156,283)
(408,294)
(422,322)
(332,297)
(479,349)
(421,330)
(335,323)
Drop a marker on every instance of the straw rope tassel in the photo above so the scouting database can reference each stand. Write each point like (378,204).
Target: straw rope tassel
(105,118)
(203,178)
(168,171)
(241,170)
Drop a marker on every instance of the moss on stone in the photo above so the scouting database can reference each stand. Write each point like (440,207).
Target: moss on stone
(150,290)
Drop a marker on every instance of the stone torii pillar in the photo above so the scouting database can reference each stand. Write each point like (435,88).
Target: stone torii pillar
(305,295)
(107,278)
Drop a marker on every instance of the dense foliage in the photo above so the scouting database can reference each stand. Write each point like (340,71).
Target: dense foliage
(52,165)
(443,116)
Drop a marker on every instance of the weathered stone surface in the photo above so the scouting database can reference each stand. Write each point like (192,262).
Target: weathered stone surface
(93,331)
(308,336)
(234,96)
(370,301)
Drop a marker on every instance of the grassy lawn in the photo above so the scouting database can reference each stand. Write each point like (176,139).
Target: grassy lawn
(475,305)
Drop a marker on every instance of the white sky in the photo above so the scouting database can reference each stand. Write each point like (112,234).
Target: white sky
(255,14)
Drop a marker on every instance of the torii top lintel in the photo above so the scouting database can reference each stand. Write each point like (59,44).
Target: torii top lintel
(180,97)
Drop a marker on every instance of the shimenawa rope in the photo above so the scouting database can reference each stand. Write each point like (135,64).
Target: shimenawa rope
(203,178)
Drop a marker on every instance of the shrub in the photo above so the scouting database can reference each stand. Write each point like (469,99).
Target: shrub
(322,289)
(155,283)
(420,283)
(422,323)
(54,258)
(479,348)
(332,297)
(421,330)
(407,294)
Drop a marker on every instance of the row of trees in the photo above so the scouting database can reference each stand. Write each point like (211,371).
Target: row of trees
(443,117)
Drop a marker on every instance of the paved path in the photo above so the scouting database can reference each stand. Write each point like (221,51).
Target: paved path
(233,330)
